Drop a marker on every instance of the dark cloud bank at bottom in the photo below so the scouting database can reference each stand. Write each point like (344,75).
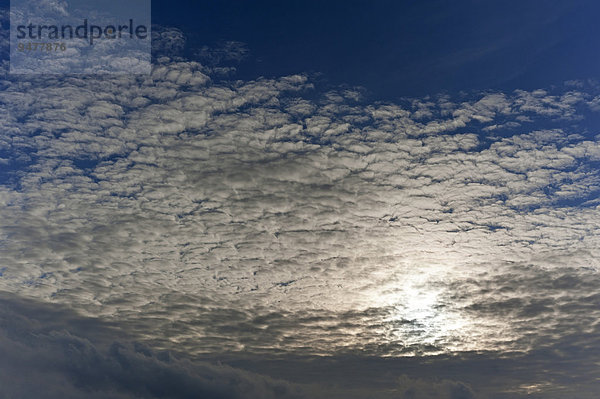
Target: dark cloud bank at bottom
(50,352)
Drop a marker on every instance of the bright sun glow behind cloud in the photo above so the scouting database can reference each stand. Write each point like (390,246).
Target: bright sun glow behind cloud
(418,313)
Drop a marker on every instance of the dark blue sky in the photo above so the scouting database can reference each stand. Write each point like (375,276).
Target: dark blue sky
(403,48)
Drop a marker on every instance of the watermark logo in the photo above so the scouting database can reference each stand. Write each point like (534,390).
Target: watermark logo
(80,36)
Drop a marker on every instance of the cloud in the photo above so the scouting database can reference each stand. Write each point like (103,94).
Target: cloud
(443,389)
(228,51)
(167,41)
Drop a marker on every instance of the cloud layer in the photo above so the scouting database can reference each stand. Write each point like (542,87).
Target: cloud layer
(243,215)
(269,217)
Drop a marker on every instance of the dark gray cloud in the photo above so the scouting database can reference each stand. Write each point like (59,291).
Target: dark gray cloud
(51,353)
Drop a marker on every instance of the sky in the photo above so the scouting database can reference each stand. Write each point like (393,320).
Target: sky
(310,200)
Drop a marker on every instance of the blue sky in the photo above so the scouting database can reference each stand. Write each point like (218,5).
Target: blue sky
(404,48)
(309,200)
